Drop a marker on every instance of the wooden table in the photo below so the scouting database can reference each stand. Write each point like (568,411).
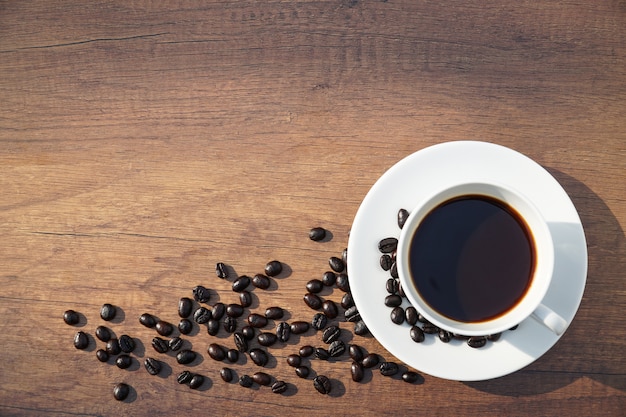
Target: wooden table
(142,142)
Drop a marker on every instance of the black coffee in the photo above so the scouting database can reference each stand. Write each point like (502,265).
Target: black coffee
(472,258)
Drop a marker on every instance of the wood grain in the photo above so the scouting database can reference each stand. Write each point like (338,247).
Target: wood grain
(141,142)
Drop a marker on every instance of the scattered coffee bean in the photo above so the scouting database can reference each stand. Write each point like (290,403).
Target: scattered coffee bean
(313,301)
(357,372)
(261,281)
(444,336)
(397,315)
(315,286)
(113,347)
(392,286)
(403,215)
(185,357)
(164,328)
(336,264)
(152,365)
(234,310)
(430,328)
(196,381)
(360,328)
(185,326)
(184,377)
(283,331)
(417,335)
(232,355)
(160,345)
(258,356)
(347,301)
(299,327)
(393,300)
(184,307)
(226,374)
(245,381)
(240,342)
(71,317)
(321,353)
(319,321)
(306,351)
(248,332)
(477,341)
(127,344)
(355,352)
(344,256)
(394,270)
(274,313)
(262,378)
(331,334)
(342,282)
(330,309)
(121,391)
(241,283)
(230,324)
(388,368)
(103,333)
(201,294)
(388,245)
(329,278)
(175,344)
(202,315)
(257,320)
(216,352)
(221,270)
(401,291)
(218,310)
(107,312)
(123,361)
(494,337)
(370,360)
(322,384)
(273,268)
(294,360)
(147,320)
(81,340)
(317,233)
(302,371)
(102,355)
(421,318)
(279,387)
(213,327)
(336,348)
(411,377)
(352,314)
(410,315)
(266,339)
(386,262)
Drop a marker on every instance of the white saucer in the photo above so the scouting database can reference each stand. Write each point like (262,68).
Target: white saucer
(421,174)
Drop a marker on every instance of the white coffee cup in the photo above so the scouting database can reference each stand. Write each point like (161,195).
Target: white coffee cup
(530,303)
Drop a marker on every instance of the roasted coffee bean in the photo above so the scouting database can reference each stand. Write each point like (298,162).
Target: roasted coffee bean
(164,328)
(360,328)
(221,270)
(417,335)
(403,215)
(226,374)
(477,341)
(185,326)
(248,332)
(107,312)
(71,317)
(240,342)
(262,378)
(218,310)
(160,345)
(459,336)
(81,340)
(394,270)
(113,347)
(347,301)
(421,318)
(357,372)
(152,365)
(317,233)
(103,333)
(388,245)
(175,344)
(313,301)
(283,331)
(321,353)
(302,371)
(266,339)
(494,337)
(329,278)
(306,351)
(294,360)
(185,306)
(127,344)
(352,314)
(336,348)
(232,355)
(444,336)
(241,283)
(201,294)
(355,352)
(336,264)
(274,313)
(257,320)
(279,387)
(245,381)
(322,384)
(410,315)
(216,352)
(196,381)
(184,377)
(213,327)
(410,377)
(370,360)
(230,324)
(330,334)
(102,355)
(258,356)
(342,282)
(261,281)
(202,315)
(386,261)
(121,391)
(315,286)
(185,357)
(273,268)
(393,300)
(123,361)
(401,291)
(430,328)
(330,309)
(392,286)
(234,310)
(299,327)
(388,368)
(397,315)
(319,321)
(147,320)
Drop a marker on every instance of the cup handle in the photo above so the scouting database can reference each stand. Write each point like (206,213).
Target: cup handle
(550,319)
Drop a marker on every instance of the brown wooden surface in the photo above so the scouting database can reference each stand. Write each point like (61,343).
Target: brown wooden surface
(141,142)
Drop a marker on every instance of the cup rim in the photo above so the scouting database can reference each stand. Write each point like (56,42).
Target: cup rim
(544,263)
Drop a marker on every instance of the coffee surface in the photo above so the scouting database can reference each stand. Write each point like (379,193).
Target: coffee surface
(472,258)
